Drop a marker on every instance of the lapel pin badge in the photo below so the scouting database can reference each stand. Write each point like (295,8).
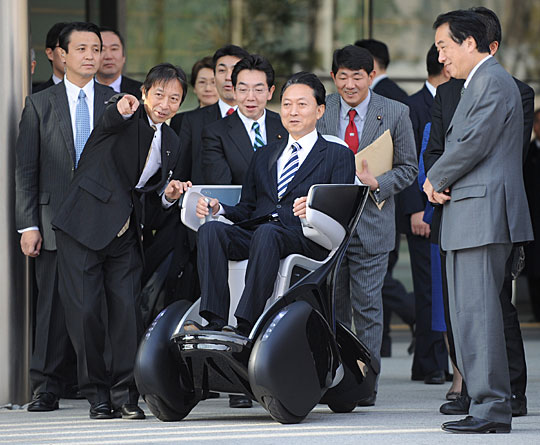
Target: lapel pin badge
(379,118)
(279,136)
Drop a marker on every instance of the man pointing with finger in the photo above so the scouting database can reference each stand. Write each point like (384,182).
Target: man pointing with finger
(360,116)
(125,166)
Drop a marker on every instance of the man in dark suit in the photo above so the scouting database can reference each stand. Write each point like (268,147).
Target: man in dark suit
(50,140)
(430,361)
(273,199)
(113,59)
(446,101)
(52,50)
(360,116)
(193,122)
(229,144)
(532,187)
(382,84)
(98,228)
(485,211)
(395,296)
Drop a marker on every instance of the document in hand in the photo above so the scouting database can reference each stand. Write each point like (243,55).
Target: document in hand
(379,156)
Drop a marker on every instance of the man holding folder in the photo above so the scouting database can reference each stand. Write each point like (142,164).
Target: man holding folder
(360,117)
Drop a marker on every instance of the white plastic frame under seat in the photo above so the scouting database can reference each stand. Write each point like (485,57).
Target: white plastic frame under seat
(317,226)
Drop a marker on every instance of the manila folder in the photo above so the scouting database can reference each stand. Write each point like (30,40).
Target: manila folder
(379,156)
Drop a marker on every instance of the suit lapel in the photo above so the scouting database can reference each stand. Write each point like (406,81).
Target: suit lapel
(374,119)
(240,138)
(272,165)
(313,159)
(274,129)
(333,106)
(101,96)
(60,105)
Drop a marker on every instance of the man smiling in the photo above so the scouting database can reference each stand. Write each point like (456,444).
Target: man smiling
(273,201)
(478,180)
(124,167)
(360,116)
(230,143)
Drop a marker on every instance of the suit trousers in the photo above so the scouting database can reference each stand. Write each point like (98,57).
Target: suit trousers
(358,295)
(475,279)
(515,352)
(53,364)
(394,295)
(430,351)
(89,281)
(263,246)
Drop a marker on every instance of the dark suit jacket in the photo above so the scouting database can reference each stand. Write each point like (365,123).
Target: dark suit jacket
(412,199)
(131,86)
(189,165)
(390,89)
(326,163)
(45,157)
(102,194)
(43,86)
(227,149)
(442,112)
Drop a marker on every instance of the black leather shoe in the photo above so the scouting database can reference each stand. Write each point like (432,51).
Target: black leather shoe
(519,405)
(101,410)
(435,378)
(239,401)
(130,411)
(471,425)
(43,401)
(368,401)
(456,407)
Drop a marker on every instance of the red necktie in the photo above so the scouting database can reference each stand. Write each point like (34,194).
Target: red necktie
(351,132)
(230,111)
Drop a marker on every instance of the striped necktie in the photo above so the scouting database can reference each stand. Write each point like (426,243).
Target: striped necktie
(82,125)
(258,143)
(290,169)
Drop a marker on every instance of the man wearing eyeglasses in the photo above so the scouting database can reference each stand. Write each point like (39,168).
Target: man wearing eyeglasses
(229,144)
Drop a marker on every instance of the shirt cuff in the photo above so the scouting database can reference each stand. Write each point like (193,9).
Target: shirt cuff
(166,204)
(28,229)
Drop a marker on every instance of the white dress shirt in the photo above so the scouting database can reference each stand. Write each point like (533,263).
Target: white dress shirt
(473,71)
(306,142)
(56,79)
(116,84)
(224,107)
(431,88)
(154,159)
(248,123)
(72,92)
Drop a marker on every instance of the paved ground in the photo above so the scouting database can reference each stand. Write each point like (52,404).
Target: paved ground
(406,412)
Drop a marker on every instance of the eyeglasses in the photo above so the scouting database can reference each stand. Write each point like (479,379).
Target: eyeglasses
(259,91)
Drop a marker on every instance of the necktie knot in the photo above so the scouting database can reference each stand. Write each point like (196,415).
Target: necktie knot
(82,94)
(352,114)
(255,127)
(230,111)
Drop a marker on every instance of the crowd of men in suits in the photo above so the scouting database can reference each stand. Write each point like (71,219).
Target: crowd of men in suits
(99,171)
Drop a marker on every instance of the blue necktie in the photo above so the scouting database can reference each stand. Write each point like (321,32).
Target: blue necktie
(258,143)
(290,169)
(82,126)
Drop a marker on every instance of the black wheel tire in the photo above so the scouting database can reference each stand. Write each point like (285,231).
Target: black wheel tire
(279,413)
(342,407)
(164,412)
